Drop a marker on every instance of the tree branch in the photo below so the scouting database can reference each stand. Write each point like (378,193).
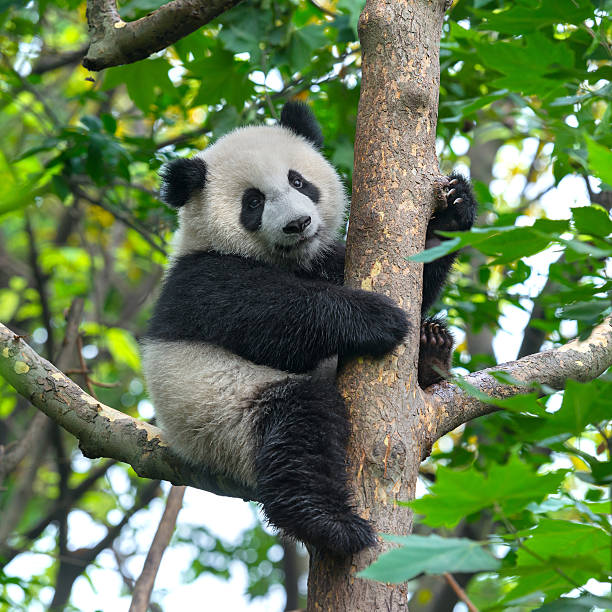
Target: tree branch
(52,61)
(115,42)
(102,431)
(39,425)
(165,529)
(578,360)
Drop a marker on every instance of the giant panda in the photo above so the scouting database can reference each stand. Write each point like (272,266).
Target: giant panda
(253,307)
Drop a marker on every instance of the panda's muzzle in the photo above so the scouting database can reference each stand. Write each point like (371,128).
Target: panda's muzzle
(297,226)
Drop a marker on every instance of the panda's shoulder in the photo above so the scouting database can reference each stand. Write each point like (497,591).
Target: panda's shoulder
(205,268)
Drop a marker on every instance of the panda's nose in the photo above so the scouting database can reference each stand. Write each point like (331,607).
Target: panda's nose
(297,226)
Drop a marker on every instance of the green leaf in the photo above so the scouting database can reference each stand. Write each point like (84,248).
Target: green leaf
(123,347)
(535,54)
(144,80)
(244,30)
(583,404)
(223,77)
(445,247)
(430,555)
(543,565)
(600,160)
(9,302)
(524,17)
(353,9)
(457,494)
(592,220)
(304,42)
(577,604)
(585,311)
(506,243)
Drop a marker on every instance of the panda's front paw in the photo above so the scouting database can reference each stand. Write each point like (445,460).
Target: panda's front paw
(457,205)
(390,328)
(379,325)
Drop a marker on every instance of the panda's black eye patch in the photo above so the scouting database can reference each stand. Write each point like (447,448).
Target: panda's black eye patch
(252,208)
(297,181)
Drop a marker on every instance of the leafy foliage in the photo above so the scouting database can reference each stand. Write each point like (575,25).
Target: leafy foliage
(524,107)
(429,555)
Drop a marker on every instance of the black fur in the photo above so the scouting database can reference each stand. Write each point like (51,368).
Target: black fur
(272,316)
(459,214)
(181,178)
(307,188)
(298,117)
(435,352)
(328,266)
(301,467)
(250,214)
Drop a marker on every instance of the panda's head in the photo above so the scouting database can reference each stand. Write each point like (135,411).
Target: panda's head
(264,192)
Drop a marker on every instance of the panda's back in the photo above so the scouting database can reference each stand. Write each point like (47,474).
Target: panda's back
(205,400)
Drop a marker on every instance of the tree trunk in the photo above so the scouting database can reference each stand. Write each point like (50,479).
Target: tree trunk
(393,195)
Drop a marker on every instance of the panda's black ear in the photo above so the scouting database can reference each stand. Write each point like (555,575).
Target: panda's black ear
(181,178)
(298,117)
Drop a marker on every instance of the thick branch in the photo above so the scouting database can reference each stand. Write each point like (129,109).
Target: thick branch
(581,361)
(115,42)
(102,431)
(393,196)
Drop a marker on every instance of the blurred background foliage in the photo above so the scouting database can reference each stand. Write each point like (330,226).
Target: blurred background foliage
(524,110)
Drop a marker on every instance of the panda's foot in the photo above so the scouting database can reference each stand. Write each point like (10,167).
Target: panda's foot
(301,467)
(457,206)
(435,352)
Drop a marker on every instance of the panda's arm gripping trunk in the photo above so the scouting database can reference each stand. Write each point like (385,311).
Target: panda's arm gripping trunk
(271,316)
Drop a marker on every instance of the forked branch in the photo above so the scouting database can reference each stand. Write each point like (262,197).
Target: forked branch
(115,42)
(578,360)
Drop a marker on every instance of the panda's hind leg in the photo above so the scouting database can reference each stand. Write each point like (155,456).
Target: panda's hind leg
(301,466)
(435,352)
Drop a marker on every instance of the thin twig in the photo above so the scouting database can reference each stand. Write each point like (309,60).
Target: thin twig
(119,216)
(512,531)
(461,594)
(46,63)
(30,89)
(183,138)
(84,369)
(40,281)
(144,584)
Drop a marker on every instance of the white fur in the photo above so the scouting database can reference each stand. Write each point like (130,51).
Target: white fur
(261,157)
(205,396)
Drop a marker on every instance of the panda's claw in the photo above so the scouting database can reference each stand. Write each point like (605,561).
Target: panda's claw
(435,352)
(458,201)
(450,193)
(454,182)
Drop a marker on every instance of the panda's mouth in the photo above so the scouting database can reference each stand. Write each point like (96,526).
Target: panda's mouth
(301,241)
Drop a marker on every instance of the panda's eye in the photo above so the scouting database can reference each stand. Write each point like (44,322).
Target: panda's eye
(296,180)
(255,201)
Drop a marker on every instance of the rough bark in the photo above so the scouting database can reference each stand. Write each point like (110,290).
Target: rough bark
(106,432)
(101,430)
(450,406)
(115,42)
(394,422)
(393,195)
